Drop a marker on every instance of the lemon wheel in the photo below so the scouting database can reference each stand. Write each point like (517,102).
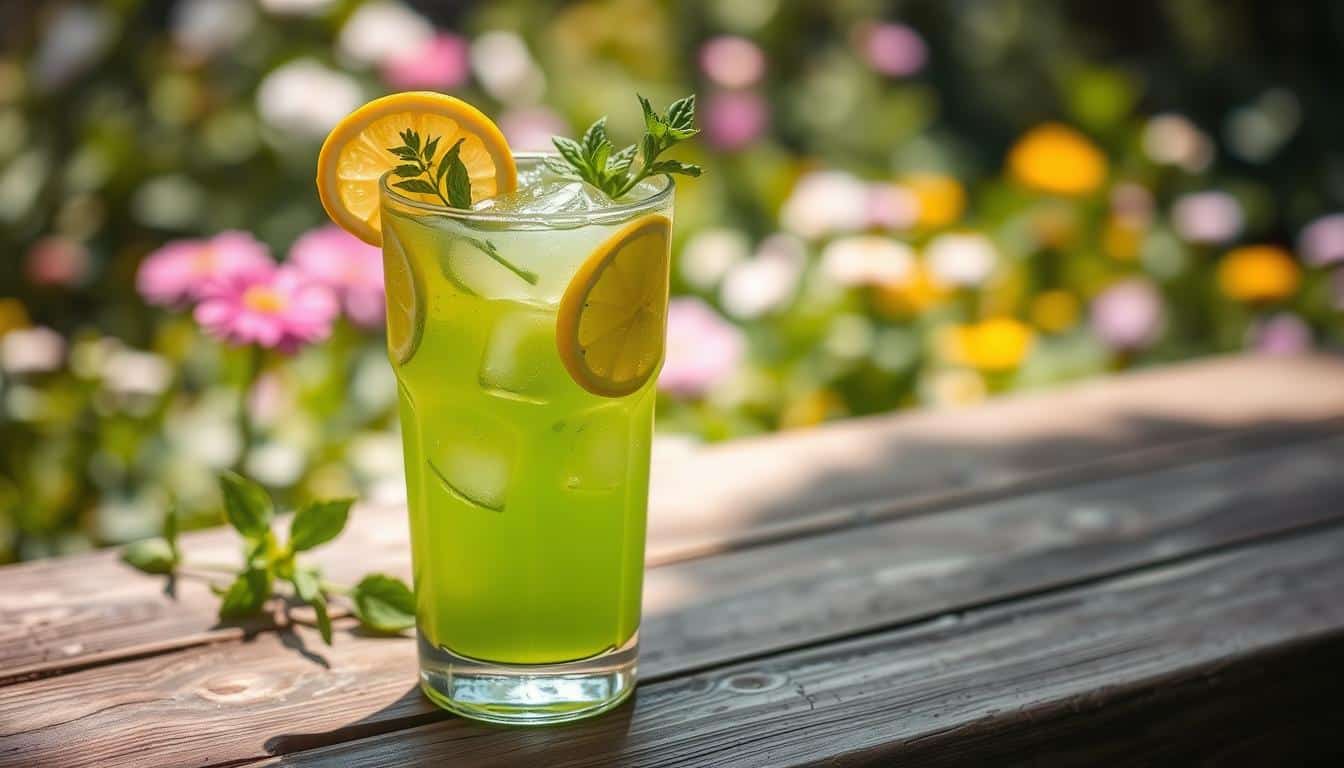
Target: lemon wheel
(405,302)
(613,315)
(355,155)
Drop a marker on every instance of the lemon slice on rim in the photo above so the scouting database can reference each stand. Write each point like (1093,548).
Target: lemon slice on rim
(612,318)
(355,155)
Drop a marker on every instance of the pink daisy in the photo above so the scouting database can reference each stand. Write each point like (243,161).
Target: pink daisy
(350,267)
(278,308)
(181,270)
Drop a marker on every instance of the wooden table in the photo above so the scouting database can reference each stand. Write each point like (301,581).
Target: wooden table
(1148,569)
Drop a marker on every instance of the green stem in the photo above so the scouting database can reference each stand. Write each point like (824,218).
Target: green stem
(246,430)
(489,249)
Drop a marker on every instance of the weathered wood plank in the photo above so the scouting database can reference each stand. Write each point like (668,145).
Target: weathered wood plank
(1223,659)
(83,611)
(244,701)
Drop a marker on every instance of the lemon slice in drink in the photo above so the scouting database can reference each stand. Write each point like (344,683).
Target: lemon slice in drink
(613,315)
(405,301)
(355,155)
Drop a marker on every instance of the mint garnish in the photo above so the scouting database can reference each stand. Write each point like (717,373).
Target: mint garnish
(593,160)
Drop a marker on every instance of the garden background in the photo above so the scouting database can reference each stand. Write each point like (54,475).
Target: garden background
(906,204)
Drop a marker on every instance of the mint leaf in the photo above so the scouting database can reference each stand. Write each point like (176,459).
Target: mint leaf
(247,505)
(417,185)
(674,166)
(407,171)
(681,113)
(412,139)
(619,162)
(573,154)
(246,595)
(317,523)
(432,147)
(308,588)
(151,556)
(384,603)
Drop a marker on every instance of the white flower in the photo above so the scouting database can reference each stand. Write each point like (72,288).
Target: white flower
(131,372)
(505,68)
(866,260)
(710,253)
(964,259)
(31,350)
(307,98)
(206,27)
(823,202)
(1207,217)
(377,31)
(1171,139)
(765,282)
(74,38)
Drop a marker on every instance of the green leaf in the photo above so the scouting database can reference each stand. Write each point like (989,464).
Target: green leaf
(323,619)
(619,162)
(653,124)
(417,185)
(573,154)
(431,147)
(151,555)
(459,185)
(559,167)
(441,172)
(246,595)
(675,166)
(317,523)
(412,140)
(681,114)
(407,171)
(405,153)
(593,140)
(247,505)
(649,149)
(681,134)
(384,603)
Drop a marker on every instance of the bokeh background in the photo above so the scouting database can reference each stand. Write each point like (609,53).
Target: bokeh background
(907,204)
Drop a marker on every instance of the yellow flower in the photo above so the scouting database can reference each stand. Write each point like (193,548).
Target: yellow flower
(1057,159)
(1122,239)
(995,345)
(13,315)
(941,199)
(915,295)
(811,409)
(1257,273)
(1055,311)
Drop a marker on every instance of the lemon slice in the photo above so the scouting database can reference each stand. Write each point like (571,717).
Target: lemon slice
(405,302)
(611,321)
(355,155)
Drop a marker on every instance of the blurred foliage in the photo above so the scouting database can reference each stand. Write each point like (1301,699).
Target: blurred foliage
(919,202)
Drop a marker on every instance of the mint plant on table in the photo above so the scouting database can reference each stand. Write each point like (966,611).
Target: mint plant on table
(271,568)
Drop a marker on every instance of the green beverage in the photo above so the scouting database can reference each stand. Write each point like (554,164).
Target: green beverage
(527,489)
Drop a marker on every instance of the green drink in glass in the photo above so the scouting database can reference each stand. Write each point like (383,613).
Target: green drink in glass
(526,336)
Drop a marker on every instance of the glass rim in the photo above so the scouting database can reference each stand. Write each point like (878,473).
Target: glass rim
(615,213)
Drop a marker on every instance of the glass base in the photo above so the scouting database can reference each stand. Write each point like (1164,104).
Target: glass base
(528,694)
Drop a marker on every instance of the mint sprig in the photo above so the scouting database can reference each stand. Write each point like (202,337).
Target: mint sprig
(446,178)
(595,160)
(381,603)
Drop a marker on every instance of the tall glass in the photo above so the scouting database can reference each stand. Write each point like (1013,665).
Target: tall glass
(527,492)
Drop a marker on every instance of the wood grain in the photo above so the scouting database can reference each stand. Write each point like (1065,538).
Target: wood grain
(1221,659)
(89,610)
(236,702)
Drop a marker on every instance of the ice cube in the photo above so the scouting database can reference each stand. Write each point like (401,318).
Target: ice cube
(472,459)
(517,354)
(599,450)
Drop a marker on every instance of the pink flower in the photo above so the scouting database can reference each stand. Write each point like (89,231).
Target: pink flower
(351,268)
(439,62)
(1129,314)
(1207,217)
(734,119)
(732,61)
(1322,242)
(892,49)
(530,129)
(280,308)
(1282,334)
(703,349)
(182,270)
(57,261)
